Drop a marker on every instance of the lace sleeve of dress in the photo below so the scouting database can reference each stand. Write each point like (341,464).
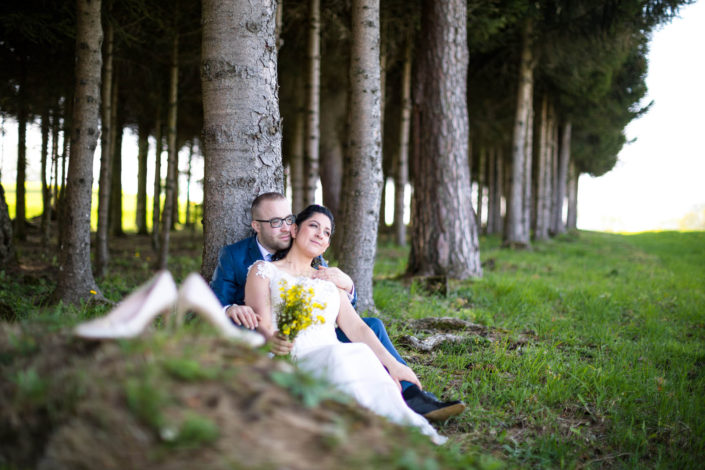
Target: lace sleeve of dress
(263,269)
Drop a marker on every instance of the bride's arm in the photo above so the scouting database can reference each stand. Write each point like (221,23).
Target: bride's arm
(257,297)
(358,331)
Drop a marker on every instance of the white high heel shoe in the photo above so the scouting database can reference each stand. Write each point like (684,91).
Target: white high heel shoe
(196,295)
(132,315)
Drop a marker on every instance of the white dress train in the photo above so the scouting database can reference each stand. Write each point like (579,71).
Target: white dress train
(351,367)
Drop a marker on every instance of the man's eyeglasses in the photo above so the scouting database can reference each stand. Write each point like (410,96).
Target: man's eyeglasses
(277,222)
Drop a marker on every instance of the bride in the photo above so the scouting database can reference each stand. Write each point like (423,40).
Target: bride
(357,368)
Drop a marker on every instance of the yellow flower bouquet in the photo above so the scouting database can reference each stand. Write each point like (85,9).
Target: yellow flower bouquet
(296,310)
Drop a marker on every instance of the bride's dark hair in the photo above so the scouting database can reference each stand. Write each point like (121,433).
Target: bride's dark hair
(302,217)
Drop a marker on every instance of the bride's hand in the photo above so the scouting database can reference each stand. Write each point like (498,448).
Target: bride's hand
(280,344)
(400,372)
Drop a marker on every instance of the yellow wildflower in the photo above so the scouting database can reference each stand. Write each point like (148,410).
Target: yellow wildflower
(296,311)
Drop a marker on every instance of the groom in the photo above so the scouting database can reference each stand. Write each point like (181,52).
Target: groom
(271,221)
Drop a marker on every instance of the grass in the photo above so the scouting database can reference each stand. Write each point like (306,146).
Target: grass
(615,371)
(597,357)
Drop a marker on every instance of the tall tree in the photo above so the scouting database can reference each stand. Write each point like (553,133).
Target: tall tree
(156,198)
(172,159)
(105,179)
(401,170)
(563,161)
(313,95)
(8,256)
(142,151)
(76,282)
(22,118)
(517,227)
(363,170)
(241,123)
(444,229)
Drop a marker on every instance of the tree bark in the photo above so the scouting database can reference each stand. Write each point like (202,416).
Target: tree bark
(20,230)
(102,257)
(401,172)
(543,195)
(558,226)
(8,256)
(172,159)
(517,224)
(573,175)
(333,105)
(156,198)
(313,94)
(115,217)
(142,151)
(188,186)
(76,282)
(481,171)
(296,149)
(242,128)
(46,194)
(364,185)
(445,238)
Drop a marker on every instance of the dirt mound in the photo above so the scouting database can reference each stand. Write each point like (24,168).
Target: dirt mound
(179,400)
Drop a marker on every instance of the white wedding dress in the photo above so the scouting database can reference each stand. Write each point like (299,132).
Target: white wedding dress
(351,367)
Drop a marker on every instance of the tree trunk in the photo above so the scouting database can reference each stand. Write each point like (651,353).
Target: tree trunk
(558,225)
(573,175)
(364,185)
(142,152)
(543,195)
(21,177)
(115,217)
(333,105)
(104,182)
(242,128)
(188,185)
(172,159)
(296,149)
(75,281)
(156,198)
(481,170)
(61,197)
(55,123)
(517,223)
(8,256)
(401,172)
(445,239)
(46,194)
(313,91)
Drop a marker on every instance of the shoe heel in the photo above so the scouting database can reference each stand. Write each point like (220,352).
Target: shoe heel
(196,295)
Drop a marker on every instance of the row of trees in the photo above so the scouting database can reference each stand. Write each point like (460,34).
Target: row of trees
(517,96)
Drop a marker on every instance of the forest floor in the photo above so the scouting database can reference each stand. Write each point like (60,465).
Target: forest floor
(584,352)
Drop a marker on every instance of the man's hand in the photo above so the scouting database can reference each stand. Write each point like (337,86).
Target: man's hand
(280,344)
(401,372)
(243,315)
(336,276)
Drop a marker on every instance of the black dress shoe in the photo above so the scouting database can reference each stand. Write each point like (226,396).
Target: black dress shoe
(429,406)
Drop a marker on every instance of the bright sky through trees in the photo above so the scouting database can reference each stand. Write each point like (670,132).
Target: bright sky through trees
(658,180)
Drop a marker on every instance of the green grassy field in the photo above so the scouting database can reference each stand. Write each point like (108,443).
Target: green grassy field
(614,371)
(597,357)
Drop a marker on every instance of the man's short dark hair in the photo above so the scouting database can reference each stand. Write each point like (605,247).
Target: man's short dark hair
(273,196)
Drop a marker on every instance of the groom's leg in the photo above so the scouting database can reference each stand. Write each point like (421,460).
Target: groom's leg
(377,326)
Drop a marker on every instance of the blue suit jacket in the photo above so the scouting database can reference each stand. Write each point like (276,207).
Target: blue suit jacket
(230,275)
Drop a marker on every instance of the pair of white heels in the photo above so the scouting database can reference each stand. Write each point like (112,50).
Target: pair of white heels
(158,296)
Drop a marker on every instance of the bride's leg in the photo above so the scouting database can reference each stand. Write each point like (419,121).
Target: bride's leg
(380,331)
